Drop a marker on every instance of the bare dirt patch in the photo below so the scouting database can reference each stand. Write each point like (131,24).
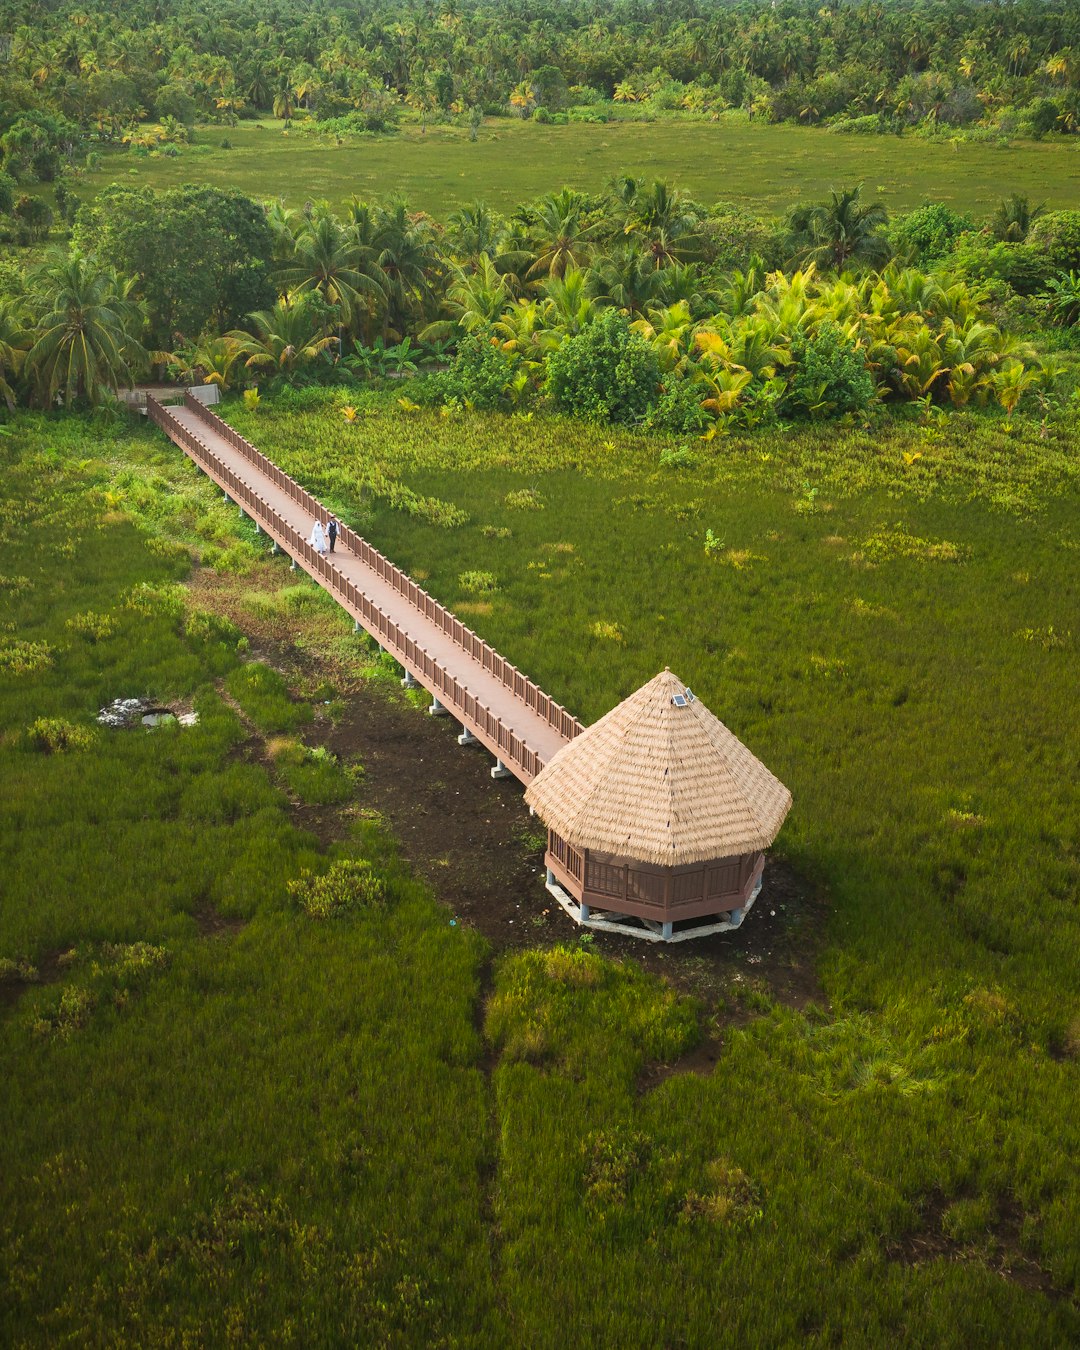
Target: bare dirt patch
(211,924)
(999,1249)
(472,838)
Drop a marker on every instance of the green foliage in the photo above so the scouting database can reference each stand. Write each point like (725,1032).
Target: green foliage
(1022,266)
(830,375)
(264,697)
(34,144)
(201,255)
(56,735)
(1056,235)
(479,375)
(33,217)
(928,235)
(606,372)
(345,888)
(678,409)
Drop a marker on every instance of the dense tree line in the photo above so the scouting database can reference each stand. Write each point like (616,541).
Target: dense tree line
(101,70)
(635,304)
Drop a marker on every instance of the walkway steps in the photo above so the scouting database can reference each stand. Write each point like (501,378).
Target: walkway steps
(510,715)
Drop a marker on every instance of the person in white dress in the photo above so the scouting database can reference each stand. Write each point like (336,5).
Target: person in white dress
(318,539)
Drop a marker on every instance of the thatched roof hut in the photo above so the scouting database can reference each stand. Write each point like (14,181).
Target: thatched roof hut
(662,792)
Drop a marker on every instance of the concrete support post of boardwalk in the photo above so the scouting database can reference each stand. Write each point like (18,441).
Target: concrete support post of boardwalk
(467,738)
(408,682)
(437,709)
(500,770)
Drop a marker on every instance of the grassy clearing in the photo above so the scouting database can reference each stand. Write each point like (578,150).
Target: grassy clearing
(889,621)
(762,166)
(276,1135)
(286,1134)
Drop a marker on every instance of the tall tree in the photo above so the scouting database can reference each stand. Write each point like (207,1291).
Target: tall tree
(87,331)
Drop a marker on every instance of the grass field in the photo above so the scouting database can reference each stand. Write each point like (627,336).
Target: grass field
(764,167)
(260,1127)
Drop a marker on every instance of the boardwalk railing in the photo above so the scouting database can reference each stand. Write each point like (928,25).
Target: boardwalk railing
(492,730)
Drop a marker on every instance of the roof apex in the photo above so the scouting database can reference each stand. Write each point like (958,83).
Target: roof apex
(660,779)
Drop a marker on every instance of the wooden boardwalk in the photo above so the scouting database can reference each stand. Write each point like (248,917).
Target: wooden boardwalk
(494,702)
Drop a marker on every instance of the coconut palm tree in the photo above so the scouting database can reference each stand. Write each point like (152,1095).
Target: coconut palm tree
(287,337)
(285,223)
(405,250)
(567,305)
(15,340)
(560,233)
(667,222)
(86,331)
(1014,217)
(474,230)
(211,361)
(474,301)
(326,259)
(669,332)
(625,277)
(840,232)
(1062,296)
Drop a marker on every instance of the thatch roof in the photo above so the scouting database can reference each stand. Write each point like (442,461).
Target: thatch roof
(658,783)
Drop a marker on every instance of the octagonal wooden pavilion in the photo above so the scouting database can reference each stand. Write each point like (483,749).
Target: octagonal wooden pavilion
(658,818)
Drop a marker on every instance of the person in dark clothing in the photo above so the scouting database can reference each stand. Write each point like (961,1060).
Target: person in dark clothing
(331,530)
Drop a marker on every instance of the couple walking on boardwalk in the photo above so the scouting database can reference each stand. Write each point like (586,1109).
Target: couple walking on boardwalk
(324,537)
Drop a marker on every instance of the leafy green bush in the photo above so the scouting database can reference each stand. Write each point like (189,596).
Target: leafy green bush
(480,583)
(55,735)
(830,375)
(1024,267)
(929,234)
(1056,236)
(678,409)
(479,376)
(24,658)
(345,888)
(606,373)
(93,627)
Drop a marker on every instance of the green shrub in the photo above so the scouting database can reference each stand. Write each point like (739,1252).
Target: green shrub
(24,658)
(606,373)
(929,234)
(1056,236)
(678,409)
(74,1010)
(33,216)
(1024,267)
(479,376)
(93,627)
(479,583)
(830,375)
(345,888)
(55,735)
